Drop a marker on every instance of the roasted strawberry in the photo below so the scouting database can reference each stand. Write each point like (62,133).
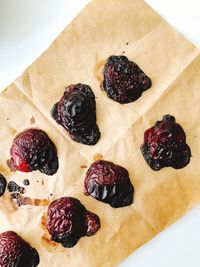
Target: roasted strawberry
(32,150)
(76,112)
(165,145)
(3,184)
(124,81)
(109,183)
(68,220)
(15,252)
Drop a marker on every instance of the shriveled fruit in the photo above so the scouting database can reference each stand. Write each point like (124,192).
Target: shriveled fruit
(32,150)
(15,252)
(109,183)
(124,81)
(68,220)
(3,184)
(165,145)
(76,112)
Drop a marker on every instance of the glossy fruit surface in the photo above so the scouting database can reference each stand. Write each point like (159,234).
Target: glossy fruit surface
(68,221)
(3,184)
(109,183)
(124,81)
(15,252)
(76,112)
(32,150)
(165,145)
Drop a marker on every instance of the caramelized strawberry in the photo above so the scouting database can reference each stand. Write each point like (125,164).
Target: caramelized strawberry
(15,252)
(32,150)
(76,112)
(165,145)
(68,221)
(109,183)
(124,81)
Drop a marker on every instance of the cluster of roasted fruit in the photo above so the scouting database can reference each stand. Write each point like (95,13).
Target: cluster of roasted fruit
(67,219)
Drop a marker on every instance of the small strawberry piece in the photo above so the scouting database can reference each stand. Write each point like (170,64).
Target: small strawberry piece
(76,112)
(68,220)
(124,81)
(15,252)
(32,150)
(109,183)
(165,145)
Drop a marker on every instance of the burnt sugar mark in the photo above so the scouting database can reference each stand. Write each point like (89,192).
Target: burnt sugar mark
(14,187)
(21,200)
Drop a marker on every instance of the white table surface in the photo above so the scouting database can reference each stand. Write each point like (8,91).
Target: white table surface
(27,27)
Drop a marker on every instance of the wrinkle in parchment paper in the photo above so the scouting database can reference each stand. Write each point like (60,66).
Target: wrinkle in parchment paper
(132,28)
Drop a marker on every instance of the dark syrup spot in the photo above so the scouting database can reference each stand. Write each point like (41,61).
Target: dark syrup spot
(26,182)
(3,184)
(14,187)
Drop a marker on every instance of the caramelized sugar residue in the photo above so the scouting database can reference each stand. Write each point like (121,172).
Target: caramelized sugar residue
(10,165)
(13,131)
(32,120)
(46,241)
(97,156)
(7,204)
(22,200)
(43,221)
(97,70)
(14,187)
(83,166)
(5,170)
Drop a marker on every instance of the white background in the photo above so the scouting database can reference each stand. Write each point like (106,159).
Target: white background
(27,27)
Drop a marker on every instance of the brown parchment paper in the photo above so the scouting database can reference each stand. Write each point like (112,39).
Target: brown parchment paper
(104,28)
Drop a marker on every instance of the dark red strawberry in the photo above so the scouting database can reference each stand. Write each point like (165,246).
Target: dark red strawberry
(109,183)
(15,252)
(124,81)
(68,220)
(32,150)
(76,112)
(165,145)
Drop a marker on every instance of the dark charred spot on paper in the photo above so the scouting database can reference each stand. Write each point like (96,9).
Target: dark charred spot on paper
(14,187)
(22,200)
(26,182)
(3,184)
